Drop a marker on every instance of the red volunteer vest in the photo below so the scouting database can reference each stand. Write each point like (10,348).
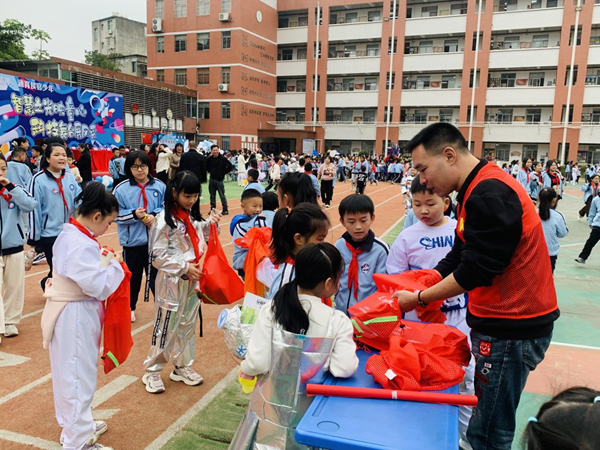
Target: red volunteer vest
(526,288)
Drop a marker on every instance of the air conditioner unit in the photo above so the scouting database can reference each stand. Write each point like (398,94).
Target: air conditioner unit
(224,17)
(109,32)
(157,25)
(223,87)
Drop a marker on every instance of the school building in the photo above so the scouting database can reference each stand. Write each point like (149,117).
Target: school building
(518,77)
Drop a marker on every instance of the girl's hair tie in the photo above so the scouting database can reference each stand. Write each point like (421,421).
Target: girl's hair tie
(597,399)
(532,419)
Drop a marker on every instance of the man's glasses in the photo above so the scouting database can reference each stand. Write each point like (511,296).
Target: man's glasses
(139,167)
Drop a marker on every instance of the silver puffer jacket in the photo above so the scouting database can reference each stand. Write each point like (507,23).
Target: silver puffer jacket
(172,253)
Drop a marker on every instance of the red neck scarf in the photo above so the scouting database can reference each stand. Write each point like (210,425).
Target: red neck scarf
(307,173)
(60,187)
(143,194)
(5,195)
(83,229)
(353,270)
(554,179)
(594,189)
(527,172)
(184,216)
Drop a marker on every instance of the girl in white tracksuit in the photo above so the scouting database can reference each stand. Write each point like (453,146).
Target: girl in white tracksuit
(74,314)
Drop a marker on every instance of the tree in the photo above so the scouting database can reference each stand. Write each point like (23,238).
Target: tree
(42,37)
(97,59)
(13,35)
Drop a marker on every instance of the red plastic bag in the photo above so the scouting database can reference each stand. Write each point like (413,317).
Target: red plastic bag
(256,240)
(219,284)
(375,318)
(414,280)
(117,325)
(421,357)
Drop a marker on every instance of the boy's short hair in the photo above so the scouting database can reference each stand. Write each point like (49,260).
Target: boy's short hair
(69,153)
(17,152)
(356,204)
(417,188)
(38,149)
(270,201)
(308,167)
(250,193)
(253,173)
(363,169)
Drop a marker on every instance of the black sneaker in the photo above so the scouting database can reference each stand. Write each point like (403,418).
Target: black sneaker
(580,260)
(225,213)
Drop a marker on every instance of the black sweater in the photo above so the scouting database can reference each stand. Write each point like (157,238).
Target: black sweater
(492,234)
(218,167)
(195,163)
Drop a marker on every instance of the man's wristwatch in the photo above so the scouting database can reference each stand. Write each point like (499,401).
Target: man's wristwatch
(421,303)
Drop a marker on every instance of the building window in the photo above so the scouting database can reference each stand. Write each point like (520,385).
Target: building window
(180,77)
(374,16)
(225,143)
(300,116)
(301,53)
(95,33)
(281,116)
(348,84)
(317,50)
(392,12)
(314,114)
(318,83)
(283,22)
(536,78)
(530,151)
(448,81)
(226,6)
(180,8)
(109,25)
(505,116)
(371,84)
(225,110)
(202,7)
(390,45)
(429,11)
(202,41)
(203,76)
(191,107)
(301,86)
(533,115)
(388,116)
(351,17)
(541,40)
(281,85)
(225,75)
(160,44)
(502,152)
(507,5)
(159,9)
(369,115)
(423,82)
(134,66)
(389,83)
(225,40)
(450,45)
(426,47)
(421,115)
(303,21)
(204,110)
(459,8)
(287,54)
(180,42)
(446,115)
(508,79)
(511,42)
(160,75)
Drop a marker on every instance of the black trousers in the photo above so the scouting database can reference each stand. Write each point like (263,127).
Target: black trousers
(590,243)
(138,261)
(47,243)
(586,208)
(553,262)
(215,186)
(327,191)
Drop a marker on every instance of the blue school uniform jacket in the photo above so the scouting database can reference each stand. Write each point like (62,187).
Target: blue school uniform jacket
(116,167)
(285,273)
(588,191)
(19,173)
(534,187)
(371,261)
(522,177)
(48,218)
(548,182)
(240,229)
(132,231)
(256,186)
(11,218)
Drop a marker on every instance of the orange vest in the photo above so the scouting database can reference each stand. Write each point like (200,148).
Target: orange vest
(526,287)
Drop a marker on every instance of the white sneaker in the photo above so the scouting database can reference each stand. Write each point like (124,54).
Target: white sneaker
(187,375)
(132,316)
(96,446)
(101,428)
(464,444)
(11,331)
(153,382)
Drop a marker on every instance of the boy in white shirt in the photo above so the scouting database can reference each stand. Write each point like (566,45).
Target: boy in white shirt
(422,246)
(405,187)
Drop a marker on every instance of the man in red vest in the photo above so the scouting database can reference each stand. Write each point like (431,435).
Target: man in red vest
(500,258)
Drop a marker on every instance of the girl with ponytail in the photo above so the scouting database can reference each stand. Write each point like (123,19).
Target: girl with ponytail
(553,222)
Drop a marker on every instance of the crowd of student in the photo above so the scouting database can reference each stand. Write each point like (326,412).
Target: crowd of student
(155,204)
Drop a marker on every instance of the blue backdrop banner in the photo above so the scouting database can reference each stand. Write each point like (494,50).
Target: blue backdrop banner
(37,109)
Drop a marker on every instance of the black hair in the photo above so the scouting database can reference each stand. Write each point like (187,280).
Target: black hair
(143,147)
(48,153)
(250,193)
(546,196)
(95,198)
(184,181)
(153,149)
(569,421)
(417,188)
(3,158)
(298,186)
(130,161)
(305,219)
(525,159)
(437,136)
(254,174)
(20,140)
(116,149)
(37,148)
(270,201)
(356,204)
(308,167)
(253,163)
(535,163)
(549,163)
(69,153)
(363,169)
(315,263)
(302,161)
(179,144)
(55,140)
(17,151)
(213,146)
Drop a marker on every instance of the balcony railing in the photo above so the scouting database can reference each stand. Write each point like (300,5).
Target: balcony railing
(414,84)
(519,82)
(520,45)
(436,49)
(362,19)
(353,53)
